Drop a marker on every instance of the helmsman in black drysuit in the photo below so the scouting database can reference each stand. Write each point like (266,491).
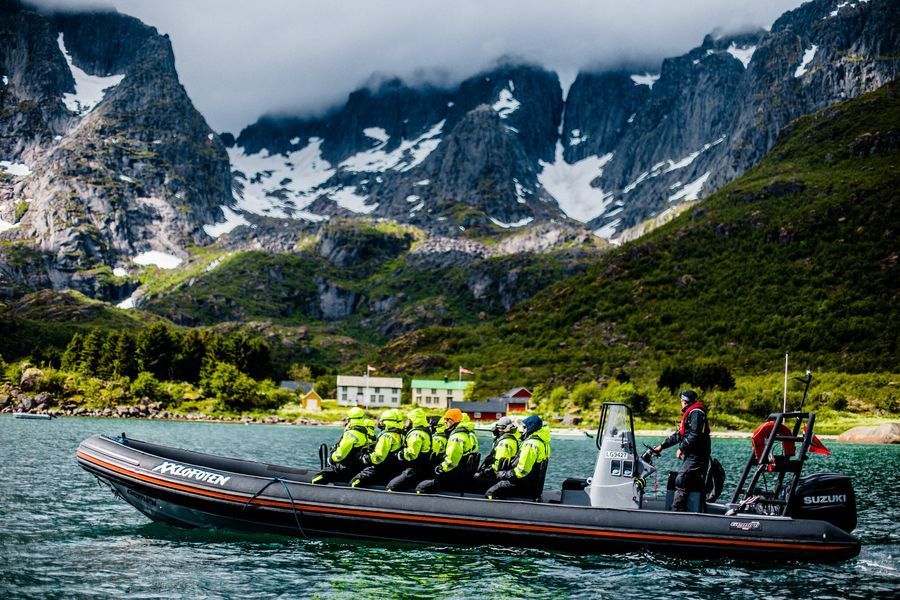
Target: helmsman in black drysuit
(694,448)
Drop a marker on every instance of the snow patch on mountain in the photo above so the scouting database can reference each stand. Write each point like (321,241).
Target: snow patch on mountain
(808,55)
(6,225)
(669,165)
(377,133)
(89,89)
(280,185)
(232,220)
(692,190)
(346,197)
(14,168)
(514,224)
(157,258)
(645,79)
(506,104)
(576,138)
(520,192)
(608,230)
(127,303)
(570,185)
(743,54)
(674,165)
(409,154)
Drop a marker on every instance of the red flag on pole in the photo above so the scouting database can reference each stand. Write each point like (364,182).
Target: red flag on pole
(370,368)
(817,446)
(464,371)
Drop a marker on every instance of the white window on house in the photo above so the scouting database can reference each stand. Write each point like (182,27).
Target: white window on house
(478,415)
(381,397)
(498,415)
(433,391)
(344,397)
(377,390)
(449,399)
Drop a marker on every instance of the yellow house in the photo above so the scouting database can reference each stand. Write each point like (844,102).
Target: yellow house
(311,401)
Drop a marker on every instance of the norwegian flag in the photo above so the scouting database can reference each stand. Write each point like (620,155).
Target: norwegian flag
(370,368)
(464,371)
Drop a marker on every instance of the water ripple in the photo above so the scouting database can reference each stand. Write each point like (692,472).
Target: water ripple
(63,535)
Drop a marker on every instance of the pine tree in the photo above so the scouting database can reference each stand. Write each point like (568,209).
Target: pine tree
(72,356)
(91,352)
(190,358)
(106,366)
(126,364)
(156,351)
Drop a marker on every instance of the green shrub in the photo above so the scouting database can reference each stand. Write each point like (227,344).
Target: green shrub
(585,395)
(231,388)
(762,405)
(273,397)
(626,393)
(51,381)
(145,384)
(14,371)
(837,402)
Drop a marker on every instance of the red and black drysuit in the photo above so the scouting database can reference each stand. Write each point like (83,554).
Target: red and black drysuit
(696,446)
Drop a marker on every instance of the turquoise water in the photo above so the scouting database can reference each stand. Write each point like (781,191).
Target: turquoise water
(62,535)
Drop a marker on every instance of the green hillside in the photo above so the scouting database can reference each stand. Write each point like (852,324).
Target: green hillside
(799,255)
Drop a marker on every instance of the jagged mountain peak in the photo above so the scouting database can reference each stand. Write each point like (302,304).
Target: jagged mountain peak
(120,165)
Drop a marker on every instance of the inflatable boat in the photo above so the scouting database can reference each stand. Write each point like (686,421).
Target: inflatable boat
(789,518)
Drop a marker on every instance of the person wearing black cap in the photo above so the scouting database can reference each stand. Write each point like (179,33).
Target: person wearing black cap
(694,448)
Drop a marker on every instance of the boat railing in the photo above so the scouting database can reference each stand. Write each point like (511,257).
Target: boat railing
(776,501)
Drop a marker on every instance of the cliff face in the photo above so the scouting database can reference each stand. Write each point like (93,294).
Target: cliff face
(633,142)
(113,160)
(104,159)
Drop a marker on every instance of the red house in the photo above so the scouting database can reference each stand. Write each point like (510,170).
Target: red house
(517,399)
(491,410)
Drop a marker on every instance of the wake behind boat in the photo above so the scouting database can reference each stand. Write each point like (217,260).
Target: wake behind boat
(800,518)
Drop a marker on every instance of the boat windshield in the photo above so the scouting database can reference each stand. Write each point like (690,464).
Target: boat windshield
(616,429)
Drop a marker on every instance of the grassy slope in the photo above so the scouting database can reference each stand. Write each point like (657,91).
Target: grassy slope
(798,255)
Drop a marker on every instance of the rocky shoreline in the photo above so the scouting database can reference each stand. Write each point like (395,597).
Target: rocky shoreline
(14,399)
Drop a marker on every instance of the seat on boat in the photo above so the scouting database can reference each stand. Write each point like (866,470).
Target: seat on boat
(696,501)
(538,486)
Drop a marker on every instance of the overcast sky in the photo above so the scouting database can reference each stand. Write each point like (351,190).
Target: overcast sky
(241,59)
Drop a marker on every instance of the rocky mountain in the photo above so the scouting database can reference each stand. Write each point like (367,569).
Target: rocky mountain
(799,254)
(509,147)
(106,159)
(106,167)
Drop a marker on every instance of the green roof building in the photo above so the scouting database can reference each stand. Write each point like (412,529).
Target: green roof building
(438,393)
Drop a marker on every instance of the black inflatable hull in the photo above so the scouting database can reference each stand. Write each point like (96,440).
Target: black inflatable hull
(190,489)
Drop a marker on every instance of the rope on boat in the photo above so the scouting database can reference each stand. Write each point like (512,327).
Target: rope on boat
(286,489)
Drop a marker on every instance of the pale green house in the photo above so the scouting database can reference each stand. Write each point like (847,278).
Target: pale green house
(437,393)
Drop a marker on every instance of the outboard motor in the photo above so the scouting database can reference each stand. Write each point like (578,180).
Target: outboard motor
(614,484)
(825,497)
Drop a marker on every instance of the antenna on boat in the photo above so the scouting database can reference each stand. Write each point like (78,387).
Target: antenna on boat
(784,400)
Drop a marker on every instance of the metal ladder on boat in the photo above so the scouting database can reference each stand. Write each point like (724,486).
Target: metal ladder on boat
(776,501)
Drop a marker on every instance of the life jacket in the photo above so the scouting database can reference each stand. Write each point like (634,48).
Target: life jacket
(687,411)
(461,444)
(354,441)
(422,433)
(387,445)
(534,451)
(509,444)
